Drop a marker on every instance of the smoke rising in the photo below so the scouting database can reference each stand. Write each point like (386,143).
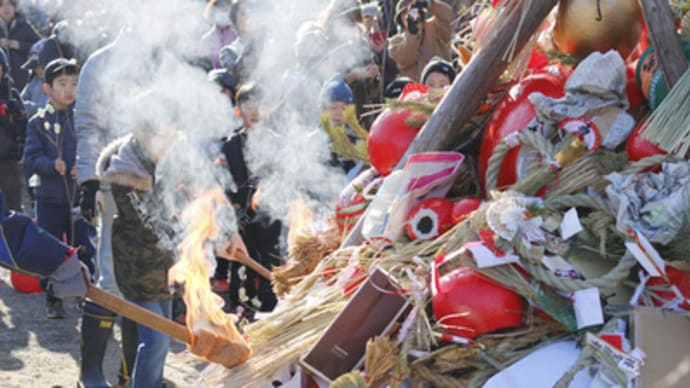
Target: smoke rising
(152,46)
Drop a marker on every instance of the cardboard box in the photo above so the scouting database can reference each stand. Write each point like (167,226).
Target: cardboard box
(664,337)
(374,310)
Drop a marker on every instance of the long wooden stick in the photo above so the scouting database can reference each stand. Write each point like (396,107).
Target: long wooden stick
(662,30)
(445,126)
(242,258)
(139,314)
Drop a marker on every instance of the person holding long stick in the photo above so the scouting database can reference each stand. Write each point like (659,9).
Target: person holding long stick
(50,153)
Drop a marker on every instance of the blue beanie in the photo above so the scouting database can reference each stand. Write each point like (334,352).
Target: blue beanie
(336,90)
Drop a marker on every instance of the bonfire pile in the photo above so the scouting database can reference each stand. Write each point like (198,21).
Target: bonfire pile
(569,207)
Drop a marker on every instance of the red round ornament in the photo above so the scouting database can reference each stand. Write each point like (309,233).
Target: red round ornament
(514,113)
(639,148)
(463,207)
(389,137)
(467,303)
(430,219)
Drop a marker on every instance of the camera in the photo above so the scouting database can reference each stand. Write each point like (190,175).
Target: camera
(415,14)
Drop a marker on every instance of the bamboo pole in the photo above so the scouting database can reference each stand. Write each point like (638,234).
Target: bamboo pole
(461,103)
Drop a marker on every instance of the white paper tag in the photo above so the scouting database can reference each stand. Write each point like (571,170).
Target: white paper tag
(629,364)
(560,267)
(587,305)
(647,255)
(484,257)
(570,225)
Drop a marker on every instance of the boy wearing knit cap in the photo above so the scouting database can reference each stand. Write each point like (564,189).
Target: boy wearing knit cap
(438,73)
(335,97)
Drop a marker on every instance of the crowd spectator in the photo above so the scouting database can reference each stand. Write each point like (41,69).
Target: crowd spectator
(33,95)
(221,32)
(424,32)
(260,233)
(241,56)
(50,153)
(226,81)
(16,38)
(140,264)
(12,135)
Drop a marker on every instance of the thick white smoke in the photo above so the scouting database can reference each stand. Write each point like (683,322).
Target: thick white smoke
(154,42)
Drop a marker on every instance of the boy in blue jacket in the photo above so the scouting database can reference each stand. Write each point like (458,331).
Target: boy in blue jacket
(50,153)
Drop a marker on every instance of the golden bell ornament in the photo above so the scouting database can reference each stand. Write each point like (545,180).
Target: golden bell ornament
(585,26)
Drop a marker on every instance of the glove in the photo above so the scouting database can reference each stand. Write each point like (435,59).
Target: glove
(70,279)
(87,201)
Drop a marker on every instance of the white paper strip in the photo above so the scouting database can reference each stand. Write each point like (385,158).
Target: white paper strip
(570,225)
(587,305)
(484,257)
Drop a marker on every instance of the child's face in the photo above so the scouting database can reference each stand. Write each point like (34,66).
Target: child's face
(437,80)
(7,10)
(250,113)
(336,112)
(63,91)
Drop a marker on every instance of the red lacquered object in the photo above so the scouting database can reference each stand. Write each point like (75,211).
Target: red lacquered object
(514,113)
(639,148)
(430,219)
(467,303)
(463,207)
(389,137)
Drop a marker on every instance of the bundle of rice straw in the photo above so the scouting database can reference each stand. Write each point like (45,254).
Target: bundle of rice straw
(669,124)
(306,251)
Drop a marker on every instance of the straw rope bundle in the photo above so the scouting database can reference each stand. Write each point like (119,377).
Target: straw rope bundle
(305,252)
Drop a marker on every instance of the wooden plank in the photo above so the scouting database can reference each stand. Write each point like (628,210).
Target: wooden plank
(463,100)
(662,30)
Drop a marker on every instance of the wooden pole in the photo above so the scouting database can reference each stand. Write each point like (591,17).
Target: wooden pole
(662,30)
(445,126)
(139,314)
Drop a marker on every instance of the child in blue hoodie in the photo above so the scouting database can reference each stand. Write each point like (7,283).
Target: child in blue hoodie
(50,153)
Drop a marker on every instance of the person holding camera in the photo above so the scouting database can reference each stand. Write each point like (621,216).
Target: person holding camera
(424,32)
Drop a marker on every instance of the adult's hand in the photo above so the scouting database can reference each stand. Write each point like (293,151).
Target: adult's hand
(87,201)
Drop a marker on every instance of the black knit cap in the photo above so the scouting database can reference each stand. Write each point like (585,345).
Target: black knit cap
(438,65)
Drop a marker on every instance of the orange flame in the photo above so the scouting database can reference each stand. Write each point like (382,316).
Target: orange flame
(300,217)
(204,308)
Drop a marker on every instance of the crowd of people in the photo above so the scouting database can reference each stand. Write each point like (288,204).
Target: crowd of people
(67,162)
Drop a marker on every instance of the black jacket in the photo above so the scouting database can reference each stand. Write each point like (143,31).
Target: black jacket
(20,30)
(12,122)
(246,185)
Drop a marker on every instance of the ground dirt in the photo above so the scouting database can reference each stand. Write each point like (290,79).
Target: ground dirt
(40,352)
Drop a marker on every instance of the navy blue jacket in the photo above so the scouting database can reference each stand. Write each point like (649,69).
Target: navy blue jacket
(49,134)
(26,248)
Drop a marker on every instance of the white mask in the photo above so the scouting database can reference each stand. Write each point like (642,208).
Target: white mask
(221,18)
